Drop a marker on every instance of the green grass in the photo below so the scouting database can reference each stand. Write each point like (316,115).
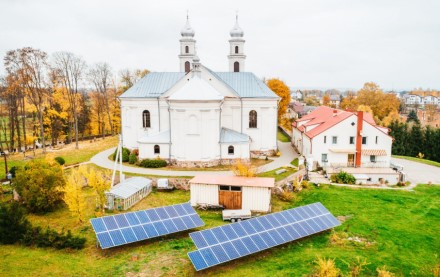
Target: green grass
(282,137)
(402,226)
(278,177)
(295,162)
(423,161)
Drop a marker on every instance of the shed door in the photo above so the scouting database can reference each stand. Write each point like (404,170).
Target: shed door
(230,197)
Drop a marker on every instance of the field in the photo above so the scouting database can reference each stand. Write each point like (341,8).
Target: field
(398,229)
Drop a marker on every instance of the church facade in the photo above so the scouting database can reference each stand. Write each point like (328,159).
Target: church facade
(198,117)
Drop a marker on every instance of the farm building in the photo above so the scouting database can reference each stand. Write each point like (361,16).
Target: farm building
(128,192)
(232,192)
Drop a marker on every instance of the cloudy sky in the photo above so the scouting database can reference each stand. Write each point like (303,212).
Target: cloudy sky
(307,43)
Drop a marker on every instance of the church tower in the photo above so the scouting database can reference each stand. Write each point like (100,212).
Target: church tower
(187,47)
(236,44)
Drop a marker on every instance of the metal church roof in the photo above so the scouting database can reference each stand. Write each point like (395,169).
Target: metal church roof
(153,84)
(129,187)
(231,136)
(246,84)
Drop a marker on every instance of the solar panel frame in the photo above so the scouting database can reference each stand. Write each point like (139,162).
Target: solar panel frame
(257,234)
(135,226)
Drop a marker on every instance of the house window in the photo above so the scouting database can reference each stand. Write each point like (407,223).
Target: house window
(156,149)
(351,140)
(236,49)
(324,158)
(236,67)
(325,139)
(334,140)
(377,138)
(364,140)
(231,150)
(146,119)
(235,188)
(186,49)
(187,67)
(372,158)
(252,119)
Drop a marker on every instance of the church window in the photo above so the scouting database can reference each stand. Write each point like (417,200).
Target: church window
(252,119)
(187,65)
(236,67)
(156,149)
(231,150)
(236,49)
(186,49)
(146,119)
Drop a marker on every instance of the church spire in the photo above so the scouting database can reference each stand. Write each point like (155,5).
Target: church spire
(187,46)
(236,44)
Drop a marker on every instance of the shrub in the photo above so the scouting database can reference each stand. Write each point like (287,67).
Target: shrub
(245,169)
(383,272)
(125,154)
(60,160)
(305,184)
(51,238)
(135,151)
(343,178)
(153,163)
(13,170)
(132,159)
(13,223)
(287,196)
(326,268)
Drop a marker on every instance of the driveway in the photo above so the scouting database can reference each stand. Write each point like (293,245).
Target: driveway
(419,173)
(101,159)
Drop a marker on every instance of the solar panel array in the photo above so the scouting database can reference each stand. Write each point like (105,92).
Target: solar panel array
(130,227)
(232,241)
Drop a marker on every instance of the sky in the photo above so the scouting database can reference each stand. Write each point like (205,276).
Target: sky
(306,43)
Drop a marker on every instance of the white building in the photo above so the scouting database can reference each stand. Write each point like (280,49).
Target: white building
(198,116)
(341,140)
(232,192)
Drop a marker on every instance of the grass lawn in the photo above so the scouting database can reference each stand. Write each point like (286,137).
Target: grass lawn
(414,159)
(402,227)
(278,177)
(282,137)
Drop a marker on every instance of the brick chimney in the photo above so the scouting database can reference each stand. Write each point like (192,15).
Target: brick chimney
(360,123)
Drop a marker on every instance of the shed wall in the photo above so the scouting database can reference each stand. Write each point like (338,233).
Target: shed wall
(204,194)
(256,199)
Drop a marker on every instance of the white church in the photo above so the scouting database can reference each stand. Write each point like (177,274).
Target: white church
(198,117)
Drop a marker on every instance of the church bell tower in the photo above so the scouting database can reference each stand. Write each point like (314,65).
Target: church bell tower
(236,49)
(187,47)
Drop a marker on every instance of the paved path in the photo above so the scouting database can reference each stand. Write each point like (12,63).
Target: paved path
(418,173)
(101,159)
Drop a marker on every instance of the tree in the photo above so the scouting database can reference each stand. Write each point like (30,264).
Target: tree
(73,195)
(392,116)
(99,183)
(70,69)
(349,103)
(326,100)
(130,77)
(412,116)
(282,91)
(245,169)
(40,185)
(380,103)
(13,223)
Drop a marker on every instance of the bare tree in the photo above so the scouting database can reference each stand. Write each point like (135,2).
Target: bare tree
(70,69)
(100,75)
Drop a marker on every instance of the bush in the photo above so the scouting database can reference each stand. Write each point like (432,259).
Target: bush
(125,154)
(326,268)
(13,170)
(135,151)
(13,223)
(60,160)
(132,159)
(287,196)
(153,163)
(343,178)
(51,238)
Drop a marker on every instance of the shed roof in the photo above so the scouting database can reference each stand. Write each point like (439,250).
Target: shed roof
(237,181)
(129,187)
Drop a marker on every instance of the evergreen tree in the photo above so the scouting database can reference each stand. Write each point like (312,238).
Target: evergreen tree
(415,141)
(412,116)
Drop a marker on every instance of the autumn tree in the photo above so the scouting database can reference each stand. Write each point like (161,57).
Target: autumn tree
(380,103)
(99,182)
(244,169)
(283,92)
(326,100)
(349,102)
(130,77)
(73,195)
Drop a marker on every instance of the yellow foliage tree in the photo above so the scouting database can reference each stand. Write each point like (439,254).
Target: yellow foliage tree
(326,100)
(99,182)
(349,103)
(73,195)
(364,108)
(244,169)
(283,91)
(380,103)
(392,116)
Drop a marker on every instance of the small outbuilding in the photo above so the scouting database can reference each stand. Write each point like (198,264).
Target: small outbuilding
(127,193)
(232,192)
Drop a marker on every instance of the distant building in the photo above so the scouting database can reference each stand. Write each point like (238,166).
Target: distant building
(296,95)
(335,100)
(297,110)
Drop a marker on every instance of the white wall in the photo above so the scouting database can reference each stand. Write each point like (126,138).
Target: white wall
(146,151)
(204,194)
(241,151)
(256,199)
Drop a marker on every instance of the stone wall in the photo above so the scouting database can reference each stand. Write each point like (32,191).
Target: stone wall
(258,154)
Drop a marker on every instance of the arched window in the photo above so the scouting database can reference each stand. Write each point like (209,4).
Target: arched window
(156,149)
(146,123)
(187,65)
(186,49)
(236,49)
(231,150)
(252,119)
(236,67)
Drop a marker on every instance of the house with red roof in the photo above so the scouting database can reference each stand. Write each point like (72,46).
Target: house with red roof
(343,140)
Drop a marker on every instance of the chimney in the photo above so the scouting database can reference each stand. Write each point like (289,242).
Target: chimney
(335,112)
(360,121)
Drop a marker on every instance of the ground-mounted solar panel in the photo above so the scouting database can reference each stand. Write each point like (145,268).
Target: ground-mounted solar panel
(235,240)
(130,227)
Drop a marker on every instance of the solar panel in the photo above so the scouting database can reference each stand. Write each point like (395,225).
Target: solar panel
(130,227)
(235,240)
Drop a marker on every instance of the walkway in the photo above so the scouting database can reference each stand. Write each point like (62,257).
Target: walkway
(101,159)
(419,173)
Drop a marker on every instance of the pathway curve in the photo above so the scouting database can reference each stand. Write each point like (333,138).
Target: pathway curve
(419,173)
(101,160)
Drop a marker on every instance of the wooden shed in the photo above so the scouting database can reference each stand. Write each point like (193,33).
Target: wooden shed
(232,192)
